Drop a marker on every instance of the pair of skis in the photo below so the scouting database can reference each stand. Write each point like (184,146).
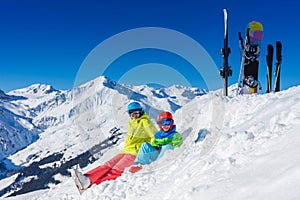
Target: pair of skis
(225,71)
(242,45)
(269,59)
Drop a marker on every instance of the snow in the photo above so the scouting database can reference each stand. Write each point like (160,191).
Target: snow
(236,147)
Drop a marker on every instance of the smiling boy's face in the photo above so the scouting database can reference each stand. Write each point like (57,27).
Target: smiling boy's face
(165,128)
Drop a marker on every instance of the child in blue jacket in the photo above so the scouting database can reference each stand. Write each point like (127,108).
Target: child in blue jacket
(165,139)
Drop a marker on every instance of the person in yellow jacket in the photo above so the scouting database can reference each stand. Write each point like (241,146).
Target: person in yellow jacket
(140,130)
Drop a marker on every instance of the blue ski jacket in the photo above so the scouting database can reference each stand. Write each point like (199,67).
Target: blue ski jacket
(170,137)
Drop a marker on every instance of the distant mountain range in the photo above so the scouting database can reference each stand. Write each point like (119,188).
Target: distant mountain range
(39,113)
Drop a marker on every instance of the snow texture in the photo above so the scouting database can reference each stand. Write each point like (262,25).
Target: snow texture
(235,147)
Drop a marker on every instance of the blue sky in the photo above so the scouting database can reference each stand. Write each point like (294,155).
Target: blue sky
(47,41)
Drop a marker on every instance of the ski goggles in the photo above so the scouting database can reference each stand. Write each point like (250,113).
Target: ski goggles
(165,122)
(134,112)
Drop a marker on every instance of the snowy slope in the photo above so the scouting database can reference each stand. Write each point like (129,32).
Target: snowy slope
(255,157)
(244,147)
(16,129)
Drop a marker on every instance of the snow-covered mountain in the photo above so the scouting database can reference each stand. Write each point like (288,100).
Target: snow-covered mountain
(55,120)
(242,147)
(16,129)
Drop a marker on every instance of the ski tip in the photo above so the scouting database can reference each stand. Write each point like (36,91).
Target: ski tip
(270,47)
(225,11)
(240,36)
(278,43)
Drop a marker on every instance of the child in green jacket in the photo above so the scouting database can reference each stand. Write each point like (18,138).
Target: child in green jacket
(165,139)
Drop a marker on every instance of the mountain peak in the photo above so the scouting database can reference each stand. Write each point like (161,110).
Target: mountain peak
(36,90)
(42,88)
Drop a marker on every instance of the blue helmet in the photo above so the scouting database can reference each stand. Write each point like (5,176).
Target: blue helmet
(134,106)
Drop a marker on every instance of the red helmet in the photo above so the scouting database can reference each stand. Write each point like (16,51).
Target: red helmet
(165,118)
